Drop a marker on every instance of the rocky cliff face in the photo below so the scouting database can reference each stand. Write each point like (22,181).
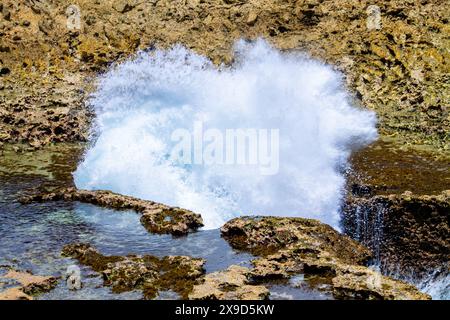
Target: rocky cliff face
(397,66)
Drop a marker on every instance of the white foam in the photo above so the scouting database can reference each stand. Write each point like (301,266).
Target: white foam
(438,289)
(141,102)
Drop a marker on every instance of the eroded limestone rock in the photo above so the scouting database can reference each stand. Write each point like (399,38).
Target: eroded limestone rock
(289,246)
(15,293)
(398,65)
(265,235)
(230,284)
(364,283)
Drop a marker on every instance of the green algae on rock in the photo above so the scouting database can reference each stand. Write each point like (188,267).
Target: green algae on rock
(387,167)
(359,282)
(156,217)
(147,273)
(54,162)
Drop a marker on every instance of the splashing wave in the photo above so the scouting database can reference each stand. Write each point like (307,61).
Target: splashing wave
(141,102)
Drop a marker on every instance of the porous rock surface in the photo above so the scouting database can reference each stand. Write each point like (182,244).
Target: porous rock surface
(289,246)
(230,284)
(414,232)
(399,68)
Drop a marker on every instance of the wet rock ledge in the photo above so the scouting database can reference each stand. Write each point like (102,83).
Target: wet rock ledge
(155,217)
(289,246)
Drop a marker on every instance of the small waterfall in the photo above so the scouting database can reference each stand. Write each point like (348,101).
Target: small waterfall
(143,102)
(378,232)
(369,229)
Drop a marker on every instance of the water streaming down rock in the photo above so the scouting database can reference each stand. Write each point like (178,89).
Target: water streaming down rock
(369,229)
(140,103)
(366,223)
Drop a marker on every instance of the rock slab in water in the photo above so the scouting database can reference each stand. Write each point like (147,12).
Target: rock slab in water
(266,235)
(147,273)
(155,217)
(399,68)
(28,285)
(359,282)
(289,246)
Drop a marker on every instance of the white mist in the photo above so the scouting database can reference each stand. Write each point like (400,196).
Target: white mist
(141,102)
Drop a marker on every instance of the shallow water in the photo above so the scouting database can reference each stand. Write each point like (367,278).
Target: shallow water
(32,236)
(300,287)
